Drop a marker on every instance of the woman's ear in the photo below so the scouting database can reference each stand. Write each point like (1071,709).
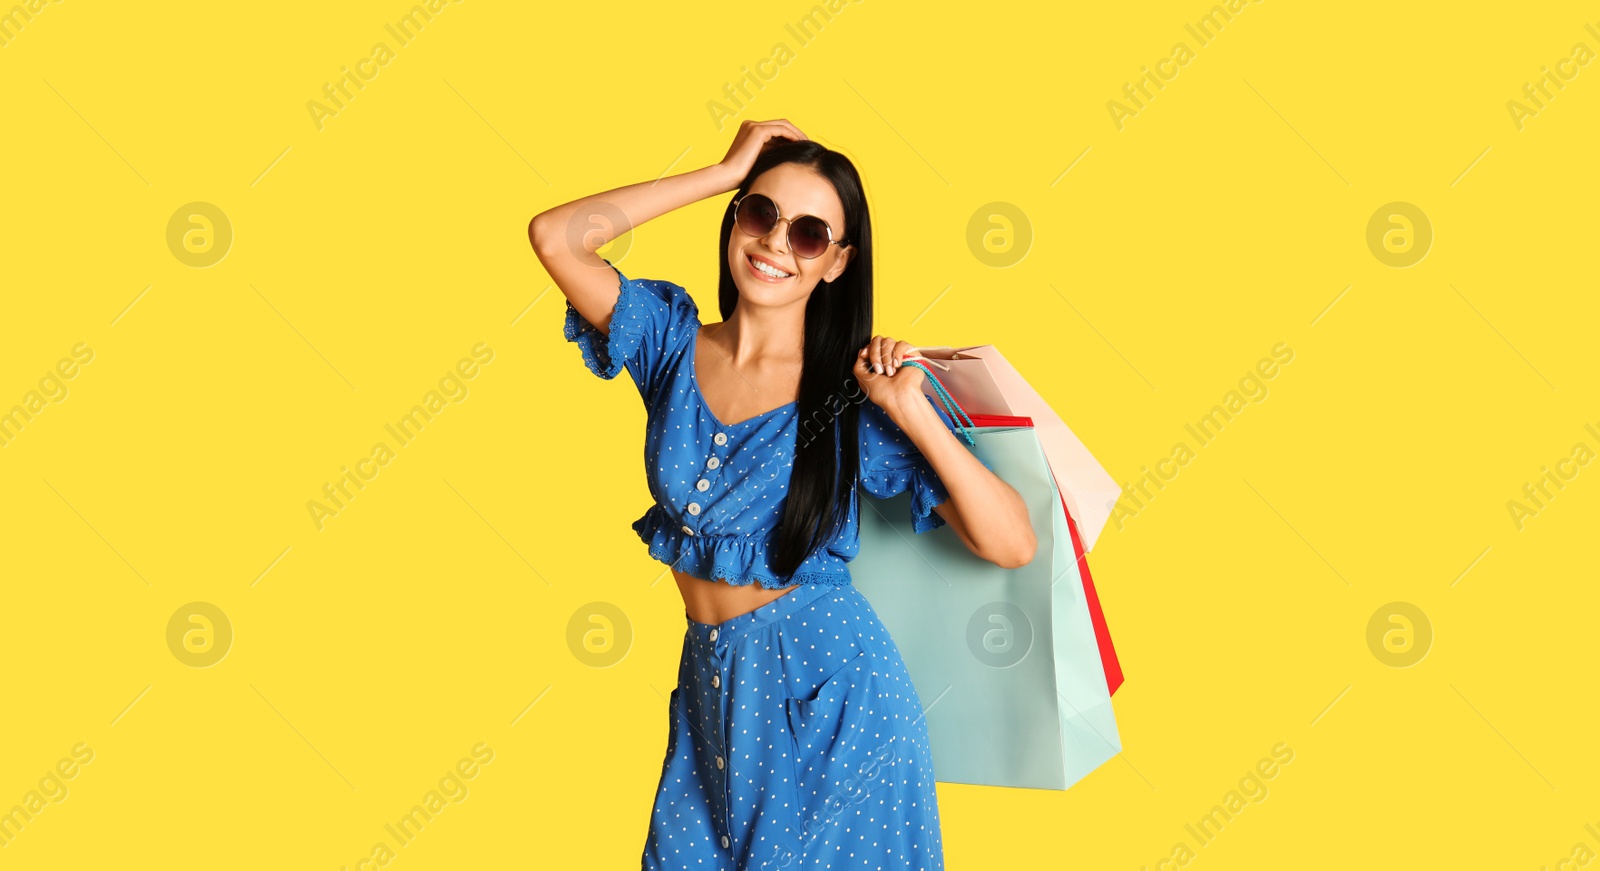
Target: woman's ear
(846,252)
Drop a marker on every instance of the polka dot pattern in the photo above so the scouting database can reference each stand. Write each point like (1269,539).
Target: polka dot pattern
(719,487)
(796,741)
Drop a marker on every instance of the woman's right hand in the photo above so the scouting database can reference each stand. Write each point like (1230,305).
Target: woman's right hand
(753,138)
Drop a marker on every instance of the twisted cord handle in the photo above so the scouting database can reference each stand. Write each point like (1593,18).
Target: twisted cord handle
(959,414)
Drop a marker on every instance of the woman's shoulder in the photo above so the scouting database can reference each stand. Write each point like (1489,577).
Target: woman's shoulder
(662,289)
(652,320)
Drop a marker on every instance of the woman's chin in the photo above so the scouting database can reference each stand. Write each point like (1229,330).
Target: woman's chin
(763,293)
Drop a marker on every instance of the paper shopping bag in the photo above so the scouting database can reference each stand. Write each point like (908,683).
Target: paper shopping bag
(1005,661)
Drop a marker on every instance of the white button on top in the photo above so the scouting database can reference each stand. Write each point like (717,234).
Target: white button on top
(724,840)
(713,463)
(694,507)
(713,635)
(687,530)
(719,762)
(716,680)
(720,438)
(702,485)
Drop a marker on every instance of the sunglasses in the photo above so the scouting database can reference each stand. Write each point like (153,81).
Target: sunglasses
(809,235)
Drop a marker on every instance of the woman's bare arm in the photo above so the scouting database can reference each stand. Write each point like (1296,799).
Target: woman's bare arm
(566,237)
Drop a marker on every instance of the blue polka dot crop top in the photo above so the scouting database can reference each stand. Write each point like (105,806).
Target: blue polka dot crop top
(719,487)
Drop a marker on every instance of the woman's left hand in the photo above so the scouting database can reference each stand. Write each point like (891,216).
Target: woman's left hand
(878,369)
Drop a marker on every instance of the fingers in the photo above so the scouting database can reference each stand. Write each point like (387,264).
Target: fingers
(772,137)
(869,356)
(885,355)
(782,127)
(791,128)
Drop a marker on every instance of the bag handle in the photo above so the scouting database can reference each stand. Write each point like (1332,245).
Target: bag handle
(957,413)
(945,352)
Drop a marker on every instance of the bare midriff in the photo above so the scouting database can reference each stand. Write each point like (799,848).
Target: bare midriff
(716,602)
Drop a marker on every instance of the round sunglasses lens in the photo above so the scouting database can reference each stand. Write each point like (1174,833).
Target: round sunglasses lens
(809,237)
(757,215)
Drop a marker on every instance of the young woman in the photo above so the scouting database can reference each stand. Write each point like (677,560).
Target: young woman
(795,739)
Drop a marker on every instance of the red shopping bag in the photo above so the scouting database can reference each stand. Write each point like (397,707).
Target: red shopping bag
(1102,632)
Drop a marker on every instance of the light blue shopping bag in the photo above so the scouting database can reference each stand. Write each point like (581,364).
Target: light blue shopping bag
(1004,660)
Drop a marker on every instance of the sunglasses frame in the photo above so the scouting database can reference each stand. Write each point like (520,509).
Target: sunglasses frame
(825,224)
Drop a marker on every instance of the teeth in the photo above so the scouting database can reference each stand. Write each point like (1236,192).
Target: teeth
(768,270)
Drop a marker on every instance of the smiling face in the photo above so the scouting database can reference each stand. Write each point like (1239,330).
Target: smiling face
(797,190)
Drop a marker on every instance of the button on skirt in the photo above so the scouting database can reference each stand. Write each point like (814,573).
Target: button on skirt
(795,741)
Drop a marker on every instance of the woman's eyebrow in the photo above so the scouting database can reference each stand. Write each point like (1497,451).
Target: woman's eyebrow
(779,207)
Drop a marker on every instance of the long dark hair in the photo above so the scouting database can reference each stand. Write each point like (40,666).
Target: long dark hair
(838,323)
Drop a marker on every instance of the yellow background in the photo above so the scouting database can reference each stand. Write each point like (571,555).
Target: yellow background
(369,256)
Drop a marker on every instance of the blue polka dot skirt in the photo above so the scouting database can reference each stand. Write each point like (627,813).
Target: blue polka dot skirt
(795,741)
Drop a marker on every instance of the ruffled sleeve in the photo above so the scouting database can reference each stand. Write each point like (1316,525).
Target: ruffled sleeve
(651,323)
(891,464)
